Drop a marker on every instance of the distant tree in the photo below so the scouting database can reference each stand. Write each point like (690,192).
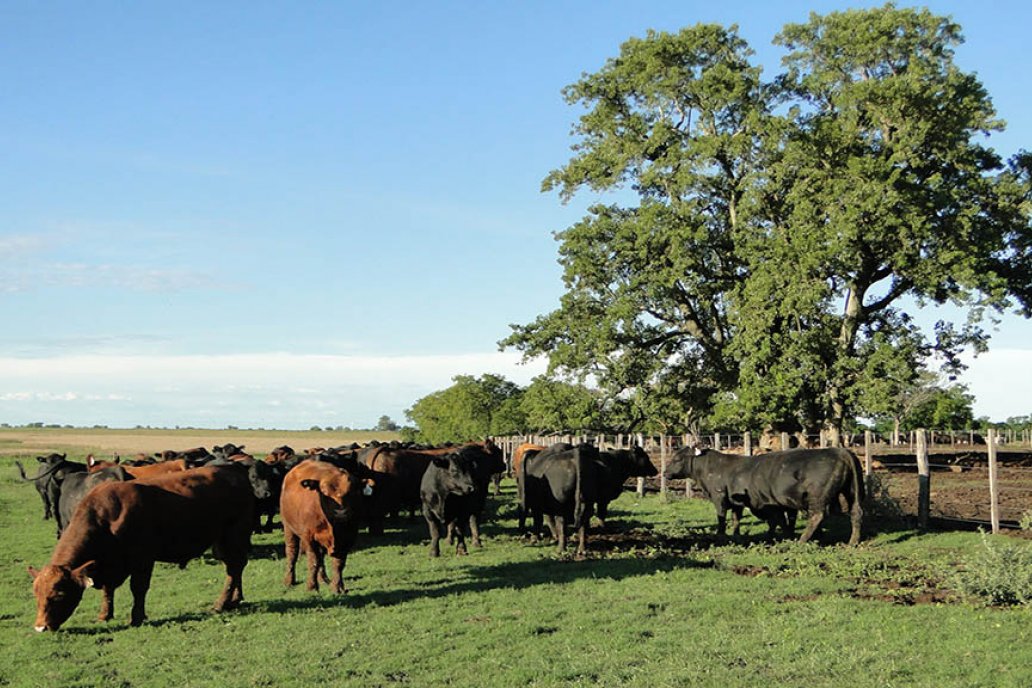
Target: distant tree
(385,424)
(315,428)
(471,408)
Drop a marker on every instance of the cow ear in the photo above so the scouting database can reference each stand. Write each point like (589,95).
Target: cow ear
(698,451)
(310,484)
(440,462)
(33,572)
(82,575)
(91,461)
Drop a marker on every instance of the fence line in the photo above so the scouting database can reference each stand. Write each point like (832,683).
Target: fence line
(870,445)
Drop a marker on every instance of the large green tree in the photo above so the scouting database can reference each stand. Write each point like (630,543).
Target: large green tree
(777,227)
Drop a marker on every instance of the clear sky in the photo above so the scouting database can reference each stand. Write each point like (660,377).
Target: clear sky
(274,214)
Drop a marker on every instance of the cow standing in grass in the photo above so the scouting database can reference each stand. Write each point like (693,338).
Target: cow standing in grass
(320,507)
(122,528)
(449,494)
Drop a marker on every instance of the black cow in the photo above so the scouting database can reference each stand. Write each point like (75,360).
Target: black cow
(446,488)
(528,453)
(712,472)
(561,485)
(53,469)
(265,480)
(487,464)
(812,480)
(75,486)
(614,468)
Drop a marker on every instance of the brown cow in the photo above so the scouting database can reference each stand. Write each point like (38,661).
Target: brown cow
(121,528)
(320,508)
(145,471)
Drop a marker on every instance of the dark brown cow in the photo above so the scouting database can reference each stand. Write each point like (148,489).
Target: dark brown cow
(121,528)
(320,507)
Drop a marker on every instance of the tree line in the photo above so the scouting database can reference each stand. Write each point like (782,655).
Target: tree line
(490,405)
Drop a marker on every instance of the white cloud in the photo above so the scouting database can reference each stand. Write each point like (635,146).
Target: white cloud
(270,390)
(1000,380)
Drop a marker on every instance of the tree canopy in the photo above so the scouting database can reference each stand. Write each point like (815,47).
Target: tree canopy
(779,230)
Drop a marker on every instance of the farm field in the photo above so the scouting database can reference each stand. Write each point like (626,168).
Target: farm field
(657,603)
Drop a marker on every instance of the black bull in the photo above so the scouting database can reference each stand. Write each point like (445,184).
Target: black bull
(771,485)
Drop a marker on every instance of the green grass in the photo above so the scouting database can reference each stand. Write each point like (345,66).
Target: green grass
(656,604)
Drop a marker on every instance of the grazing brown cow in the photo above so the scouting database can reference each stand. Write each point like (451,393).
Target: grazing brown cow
(121,528)
(320,508)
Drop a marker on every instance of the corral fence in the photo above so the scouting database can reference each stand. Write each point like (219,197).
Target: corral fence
(943,478)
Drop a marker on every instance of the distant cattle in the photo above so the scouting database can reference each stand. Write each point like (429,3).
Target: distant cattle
(561,486)
(52,471)
(446,490)
(399,472)
(711,472)
(122,528)
(321,508)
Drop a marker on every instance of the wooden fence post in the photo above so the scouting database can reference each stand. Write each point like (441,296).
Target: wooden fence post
(747,440)
(924,488)
(641,481)
(868,459)
(994,487)
(664,442)
(784,441)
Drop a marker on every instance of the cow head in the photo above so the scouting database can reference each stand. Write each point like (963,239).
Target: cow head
(339,493)
(58,591)
(681,463)
(639,462)
(457,473)
(51,459)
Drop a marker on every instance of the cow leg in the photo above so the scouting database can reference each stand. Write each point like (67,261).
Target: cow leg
(558,524)
(496,480)
(474,530)
(816,516)
(552,527)
(582,537)
(788,527)
(139,583)
(736,521)
(322,567)
(451,533)
(291,539)
(855,518)
(435,535)
(233,592)
(107,603)
(314,564)
(337,584)
(460,539)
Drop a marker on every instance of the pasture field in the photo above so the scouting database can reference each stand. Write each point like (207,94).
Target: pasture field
(657,603)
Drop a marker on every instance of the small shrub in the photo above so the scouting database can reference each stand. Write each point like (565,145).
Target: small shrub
(1025,522)
(1000,573)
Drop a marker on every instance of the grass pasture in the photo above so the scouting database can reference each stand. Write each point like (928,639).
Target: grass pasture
(657,603)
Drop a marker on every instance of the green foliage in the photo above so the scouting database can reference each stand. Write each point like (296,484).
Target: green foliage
(1000,573)
(550,405)
(471,409)
(758,277)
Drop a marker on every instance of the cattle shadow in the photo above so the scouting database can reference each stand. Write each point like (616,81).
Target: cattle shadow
(478,579)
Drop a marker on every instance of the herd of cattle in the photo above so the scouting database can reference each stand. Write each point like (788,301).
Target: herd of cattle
(116,519)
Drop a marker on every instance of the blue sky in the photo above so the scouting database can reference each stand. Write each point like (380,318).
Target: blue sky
(287,214)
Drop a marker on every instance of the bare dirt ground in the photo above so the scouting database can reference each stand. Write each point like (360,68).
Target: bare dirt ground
(26,441)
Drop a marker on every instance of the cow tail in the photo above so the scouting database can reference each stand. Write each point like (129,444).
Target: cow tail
(21,470)
(579,499)
(859,488)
